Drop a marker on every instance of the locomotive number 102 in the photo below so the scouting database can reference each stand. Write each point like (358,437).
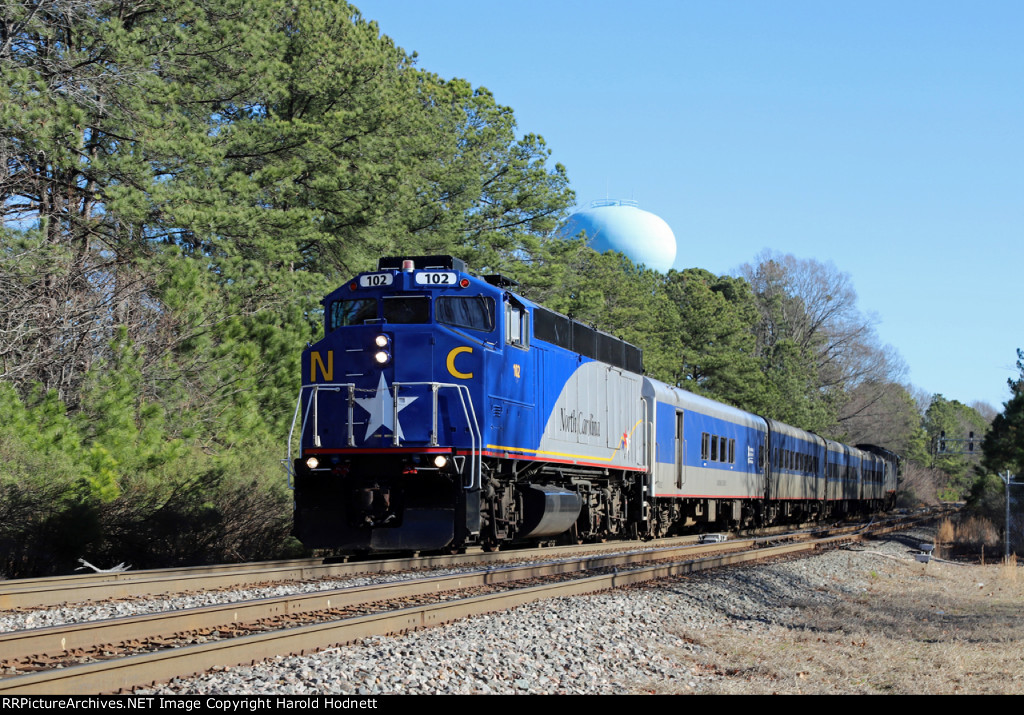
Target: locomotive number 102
(435,278)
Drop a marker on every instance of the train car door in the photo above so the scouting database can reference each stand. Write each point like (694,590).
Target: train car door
(680,451)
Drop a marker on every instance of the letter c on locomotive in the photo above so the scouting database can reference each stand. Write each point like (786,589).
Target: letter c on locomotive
(450,363)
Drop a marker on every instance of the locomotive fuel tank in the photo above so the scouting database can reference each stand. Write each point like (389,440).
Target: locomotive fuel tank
(549,511)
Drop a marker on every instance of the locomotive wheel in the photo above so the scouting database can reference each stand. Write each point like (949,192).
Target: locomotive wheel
(574,535)
(489,546)
(570,538)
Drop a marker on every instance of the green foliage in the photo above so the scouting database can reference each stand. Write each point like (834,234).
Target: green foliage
(821,357)
(956,420)
(484,193)
(793,393)
(717,350)
(63,497)
(42,429)
(986,498)
(185,182)
(1004,443)
(100,482)
(611,293)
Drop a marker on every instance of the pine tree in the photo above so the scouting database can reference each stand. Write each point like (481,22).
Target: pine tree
(1003,446)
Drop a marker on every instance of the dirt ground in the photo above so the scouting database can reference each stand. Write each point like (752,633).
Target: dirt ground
(949,628)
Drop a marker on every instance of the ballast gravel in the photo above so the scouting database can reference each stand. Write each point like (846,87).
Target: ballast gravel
(80,613)
(610,643)
(141,605)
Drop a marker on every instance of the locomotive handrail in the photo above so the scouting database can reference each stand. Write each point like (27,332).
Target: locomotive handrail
(647,454)
(312,406)
(649,459)
(466,402)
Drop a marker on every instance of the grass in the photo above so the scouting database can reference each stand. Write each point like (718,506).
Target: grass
(916,628)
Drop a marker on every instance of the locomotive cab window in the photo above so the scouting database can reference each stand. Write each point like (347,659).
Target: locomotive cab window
(407,309)
(351,312)
(517,324)
(472,312)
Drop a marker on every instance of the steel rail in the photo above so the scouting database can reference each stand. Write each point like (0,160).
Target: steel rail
(135,671)
(90,578)
(78,588)
(55,641)
(59,590)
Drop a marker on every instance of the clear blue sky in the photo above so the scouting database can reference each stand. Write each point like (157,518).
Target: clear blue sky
(884,137)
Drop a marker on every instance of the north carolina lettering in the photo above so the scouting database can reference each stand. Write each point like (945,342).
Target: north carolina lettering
(574,422)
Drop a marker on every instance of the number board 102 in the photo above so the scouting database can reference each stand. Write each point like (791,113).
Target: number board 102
(435,278)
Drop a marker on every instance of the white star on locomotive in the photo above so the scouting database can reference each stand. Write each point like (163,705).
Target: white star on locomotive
(382,409)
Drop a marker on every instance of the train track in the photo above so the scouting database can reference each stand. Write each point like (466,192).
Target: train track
(36,593)
(120,654)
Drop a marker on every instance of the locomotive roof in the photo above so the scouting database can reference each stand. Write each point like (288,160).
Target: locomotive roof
(396,263)
(548,325)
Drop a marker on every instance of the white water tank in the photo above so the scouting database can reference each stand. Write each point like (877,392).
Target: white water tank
(619,225)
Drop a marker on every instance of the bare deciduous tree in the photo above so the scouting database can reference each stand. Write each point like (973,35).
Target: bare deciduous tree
(813,306)
(920,484)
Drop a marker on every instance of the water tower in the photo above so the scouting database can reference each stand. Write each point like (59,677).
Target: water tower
(618,225)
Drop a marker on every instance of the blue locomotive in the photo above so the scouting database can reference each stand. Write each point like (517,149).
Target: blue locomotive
(443,410)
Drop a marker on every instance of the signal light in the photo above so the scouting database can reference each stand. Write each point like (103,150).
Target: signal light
(381,341)
(312,462)
(464,283)
(382,357)
(440,460)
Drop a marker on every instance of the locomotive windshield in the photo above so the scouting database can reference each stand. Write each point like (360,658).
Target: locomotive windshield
(351,312)
(407,309)
(472,312)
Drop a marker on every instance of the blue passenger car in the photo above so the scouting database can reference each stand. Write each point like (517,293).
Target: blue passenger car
(706,459)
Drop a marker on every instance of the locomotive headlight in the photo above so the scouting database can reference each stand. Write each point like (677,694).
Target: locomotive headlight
(312,462)
(440,460)
(383,355)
